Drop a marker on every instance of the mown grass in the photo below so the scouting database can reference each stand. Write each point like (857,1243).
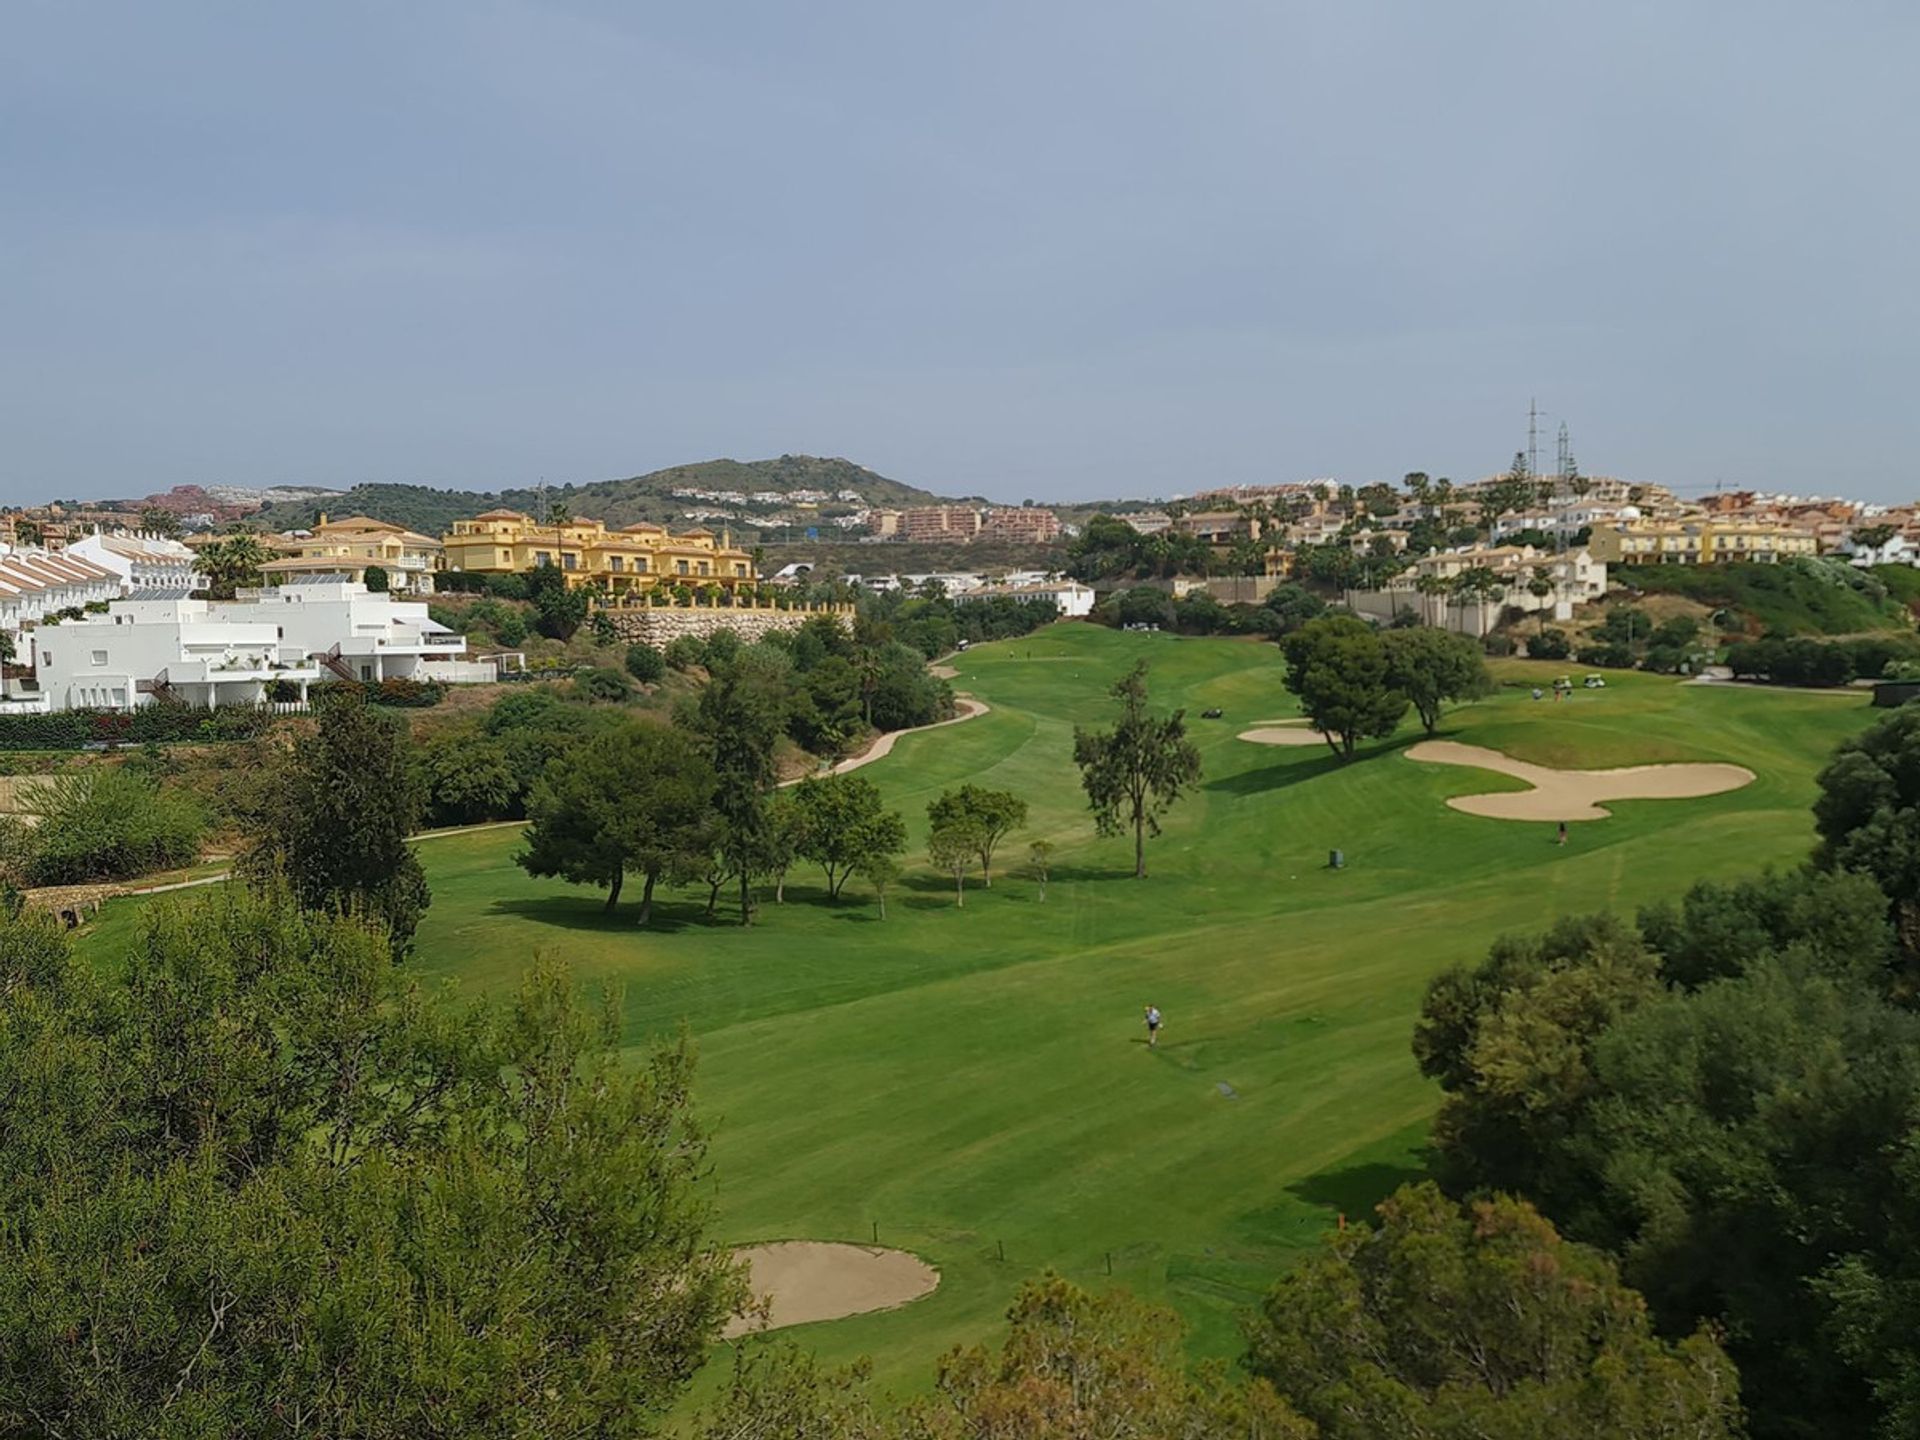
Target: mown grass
(974,1081)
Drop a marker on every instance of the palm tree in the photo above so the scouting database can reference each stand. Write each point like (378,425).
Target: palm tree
(231,563)
(1541,586)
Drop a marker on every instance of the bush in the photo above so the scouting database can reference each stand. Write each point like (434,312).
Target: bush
(603,682)
(396,690)
(646,664)
(1607,657)
(375,579)
(1497,645)
(1550,644)
(110,824)
(77,729)
(684,652)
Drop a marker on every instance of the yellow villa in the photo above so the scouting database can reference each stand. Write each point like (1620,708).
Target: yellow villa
(634,557)
(350,547)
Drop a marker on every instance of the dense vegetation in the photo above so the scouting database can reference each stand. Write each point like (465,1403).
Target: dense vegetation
(1803,596)
(1725,1094)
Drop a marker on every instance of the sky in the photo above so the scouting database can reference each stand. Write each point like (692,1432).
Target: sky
(1051,249)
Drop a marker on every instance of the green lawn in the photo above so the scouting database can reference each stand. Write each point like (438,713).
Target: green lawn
(973,1079)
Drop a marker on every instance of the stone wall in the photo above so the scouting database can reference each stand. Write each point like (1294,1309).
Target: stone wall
(660,625)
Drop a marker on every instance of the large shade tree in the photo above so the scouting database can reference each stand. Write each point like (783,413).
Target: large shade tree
(1338,667)
(633,801)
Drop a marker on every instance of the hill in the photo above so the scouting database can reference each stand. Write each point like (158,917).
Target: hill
(777,496)
(1795,597)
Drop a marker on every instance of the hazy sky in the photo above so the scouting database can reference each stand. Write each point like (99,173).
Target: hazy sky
(1057,247)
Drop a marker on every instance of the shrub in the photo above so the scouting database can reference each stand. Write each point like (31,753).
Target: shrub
(1607,657)
(684,652)
(603,682)
(1497,645)
(1550,644)
(109,824)
(646,664)
(375,579)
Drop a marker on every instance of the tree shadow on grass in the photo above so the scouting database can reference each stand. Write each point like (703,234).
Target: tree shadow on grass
(1354,1191)
(570,913)
(1281,774)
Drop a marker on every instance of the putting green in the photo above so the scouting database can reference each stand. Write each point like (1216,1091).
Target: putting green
(972,1083)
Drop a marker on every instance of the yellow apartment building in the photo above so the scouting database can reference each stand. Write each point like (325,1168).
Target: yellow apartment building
(1703,541)
(348,547)
(634,557)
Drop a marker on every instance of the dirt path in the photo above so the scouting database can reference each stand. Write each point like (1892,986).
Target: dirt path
(808,1280)
(1575,794)
(883,744)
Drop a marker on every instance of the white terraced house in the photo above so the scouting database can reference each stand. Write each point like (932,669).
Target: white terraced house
(35,584)
(163,645)
(142,562)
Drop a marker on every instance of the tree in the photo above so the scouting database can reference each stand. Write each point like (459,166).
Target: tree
(739,717)
(604,682)
(233,563)
(1540,586)
(559,609)
(1135,771)
(784,832)
(987,814)
(155,520)
(30,533)
(1338,667)
(338,809)
(1431,666)
(843,824)
(880,871)
(374,577)
(255,1183)
(646,664)
(1868,820)
(1480,1321)
(636,800)
(466,779)
(1040,861)
(952,848)
(1074,1366)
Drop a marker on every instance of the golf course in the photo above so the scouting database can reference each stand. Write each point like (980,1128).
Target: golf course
(972,1084)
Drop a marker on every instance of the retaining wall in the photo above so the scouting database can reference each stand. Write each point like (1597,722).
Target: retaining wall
(660,625)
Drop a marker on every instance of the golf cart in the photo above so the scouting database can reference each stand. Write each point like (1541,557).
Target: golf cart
(1210,714)
(1594,682)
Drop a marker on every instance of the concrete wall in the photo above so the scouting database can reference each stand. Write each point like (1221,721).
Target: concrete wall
(660,625)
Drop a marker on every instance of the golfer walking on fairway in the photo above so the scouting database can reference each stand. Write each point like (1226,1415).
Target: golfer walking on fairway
(1153,1028)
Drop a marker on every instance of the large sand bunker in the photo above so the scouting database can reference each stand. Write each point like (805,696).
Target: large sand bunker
(1575,794)
(807,1280)
(1283,732)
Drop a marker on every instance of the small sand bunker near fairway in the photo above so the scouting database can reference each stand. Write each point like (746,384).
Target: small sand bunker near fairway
(1575,794)
(1283,732)
(807,1280)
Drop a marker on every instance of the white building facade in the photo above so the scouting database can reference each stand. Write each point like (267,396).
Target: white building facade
(354,633)
(141,562)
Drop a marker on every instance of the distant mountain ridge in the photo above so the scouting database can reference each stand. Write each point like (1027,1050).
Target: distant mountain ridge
(765,486)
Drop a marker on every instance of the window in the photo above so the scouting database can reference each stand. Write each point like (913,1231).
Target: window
(639,564)
(681,567)
(703,567)
(99,657)
(617,563)
(46,657)
(543,557)
(506,557)
(567,561)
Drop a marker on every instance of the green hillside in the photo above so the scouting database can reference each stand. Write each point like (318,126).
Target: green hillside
(1795,597)
(621,502)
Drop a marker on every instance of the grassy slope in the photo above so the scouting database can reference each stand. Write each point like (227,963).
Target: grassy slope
(1775,597)
(974,1078)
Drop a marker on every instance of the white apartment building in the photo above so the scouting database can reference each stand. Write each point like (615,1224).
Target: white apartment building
(1073,599)
(162,645)
(354,633)
(141,562)
(1563,521)
(1575,578)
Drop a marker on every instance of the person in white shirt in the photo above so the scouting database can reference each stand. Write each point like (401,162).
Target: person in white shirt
(1153,1028)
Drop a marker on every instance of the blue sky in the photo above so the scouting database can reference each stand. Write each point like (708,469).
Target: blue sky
(1040,249)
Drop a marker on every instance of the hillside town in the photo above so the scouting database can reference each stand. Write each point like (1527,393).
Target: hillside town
(142,614)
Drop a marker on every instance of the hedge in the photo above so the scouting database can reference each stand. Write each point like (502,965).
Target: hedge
(77,729)
(394,690)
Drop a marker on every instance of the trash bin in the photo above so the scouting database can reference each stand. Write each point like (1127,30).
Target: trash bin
(1336,860)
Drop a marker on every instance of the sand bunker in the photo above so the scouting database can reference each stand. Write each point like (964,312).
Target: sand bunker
(807,1280)
(1283,732)
(1575,794)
